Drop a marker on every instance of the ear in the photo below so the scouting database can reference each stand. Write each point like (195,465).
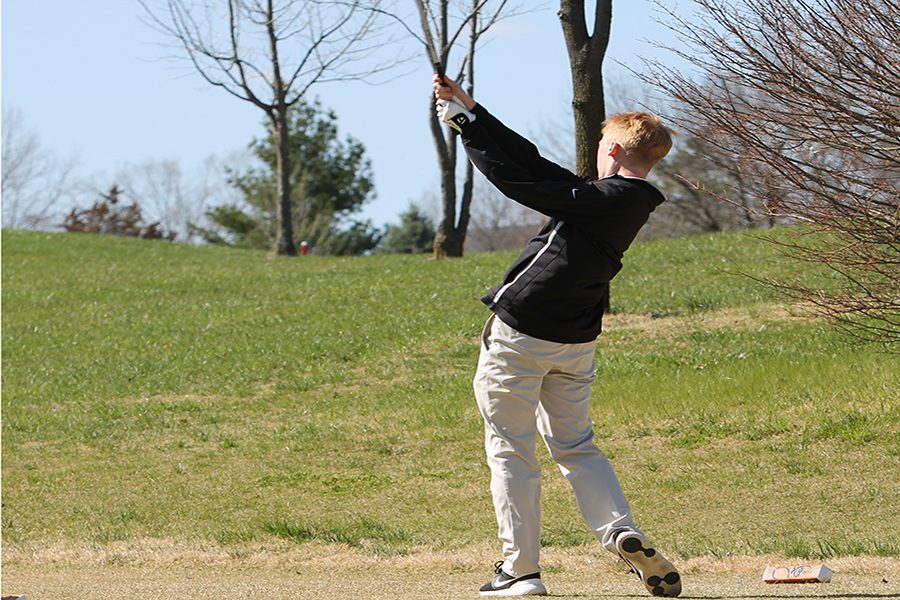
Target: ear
(614,149)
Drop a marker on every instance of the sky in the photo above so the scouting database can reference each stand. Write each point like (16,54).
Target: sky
(95,82)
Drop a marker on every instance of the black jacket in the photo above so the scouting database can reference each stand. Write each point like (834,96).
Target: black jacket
(556,289)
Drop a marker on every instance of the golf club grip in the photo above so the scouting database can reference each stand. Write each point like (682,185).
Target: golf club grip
(439,69)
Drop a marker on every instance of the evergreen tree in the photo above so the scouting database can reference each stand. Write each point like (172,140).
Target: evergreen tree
(413,235)
(331,179)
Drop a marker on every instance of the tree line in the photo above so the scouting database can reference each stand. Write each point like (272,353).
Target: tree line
(787,114)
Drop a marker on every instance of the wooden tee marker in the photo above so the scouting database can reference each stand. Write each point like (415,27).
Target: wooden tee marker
(801,574)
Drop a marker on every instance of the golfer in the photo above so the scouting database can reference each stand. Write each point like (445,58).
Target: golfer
(537,354)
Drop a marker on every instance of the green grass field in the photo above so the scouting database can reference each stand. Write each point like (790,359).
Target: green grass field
(162,391)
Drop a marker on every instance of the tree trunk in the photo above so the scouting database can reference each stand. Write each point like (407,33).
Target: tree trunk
(450,236)
(586,53)
(465,206)
(284,244)
(448,243)
(445,238)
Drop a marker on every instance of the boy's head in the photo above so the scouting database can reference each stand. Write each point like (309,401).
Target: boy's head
(633,140)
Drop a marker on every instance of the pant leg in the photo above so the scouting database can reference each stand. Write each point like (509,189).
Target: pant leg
(565,425)
(507,389)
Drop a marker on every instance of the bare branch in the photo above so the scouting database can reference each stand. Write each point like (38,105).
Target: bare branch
(440,34)
(805,95)
(270,53)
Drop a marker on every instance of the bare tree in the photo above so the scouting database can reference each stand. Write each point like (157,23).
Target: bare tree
(270,53)
(694,178)
(586,53)
(177,200)
(623,91)
(807,93)
(34,182)
(445,25)
(498,224)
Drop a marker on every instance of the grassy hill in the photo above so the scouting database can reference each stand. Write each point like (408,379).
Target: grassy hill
(153,390)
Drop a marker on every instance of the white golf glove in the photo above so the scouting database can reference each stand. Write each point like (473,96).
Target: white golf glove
(453,114)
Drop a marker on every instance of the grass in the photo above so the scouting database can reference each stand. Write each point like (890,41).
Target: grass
(362,533)
(153,390)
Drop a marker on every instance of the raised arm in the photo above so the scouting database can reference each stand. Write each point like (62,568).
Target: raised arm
(516,148)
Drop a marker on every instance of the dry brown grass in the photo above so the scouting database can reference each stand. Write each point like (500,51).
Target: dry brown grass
(168,569)
(738,317)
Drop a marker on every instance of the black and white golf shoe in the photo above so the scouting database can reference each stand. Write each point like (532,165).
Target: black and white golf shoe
(507,585)
(659,576)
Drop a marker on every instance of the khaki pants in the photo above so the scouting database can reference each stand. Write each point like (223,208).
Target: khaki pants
(526,386)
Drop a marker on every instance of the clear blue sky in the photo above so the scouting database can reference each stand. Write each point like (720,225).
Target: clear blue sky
(90,79)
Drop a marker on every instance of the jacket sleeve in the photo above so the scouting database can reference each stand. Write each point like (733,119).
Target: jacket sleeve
(555,192)
(520,150)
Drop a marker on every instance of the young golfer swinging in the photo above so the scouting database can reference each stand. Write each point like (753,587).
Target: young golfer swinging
(537,356)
